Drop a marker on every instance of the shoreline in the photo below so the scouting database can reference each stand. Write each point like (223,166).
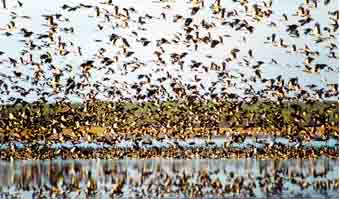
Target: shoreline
(161,133)
(270,153)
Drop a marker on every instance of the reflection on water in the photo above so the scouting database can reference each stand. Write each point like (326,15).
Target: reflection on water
(170,178)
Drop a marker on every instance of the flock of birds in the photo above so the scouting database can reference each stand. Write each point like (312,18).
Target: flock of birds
(207,68)
(181,179)
(148,151)
(43,69)
(108,72)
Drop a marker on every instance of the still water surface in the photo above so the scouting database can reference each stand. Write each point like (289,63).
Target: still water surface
(27,178)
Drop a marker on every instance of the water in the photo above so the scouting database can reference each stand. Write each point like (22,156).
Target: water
(219,142)
(26,178)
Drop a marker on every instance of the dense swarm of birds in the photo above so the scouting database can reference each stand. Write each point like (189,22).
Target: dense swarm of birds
(195,78)
(178,179)
(146,150)
(47,79)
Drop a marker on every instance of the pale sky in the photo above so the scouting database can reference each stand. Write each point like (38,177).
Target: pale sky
(86,31)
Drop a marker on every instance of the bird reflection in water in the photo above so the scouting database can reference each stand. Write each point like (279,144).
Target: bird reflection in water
(170,178)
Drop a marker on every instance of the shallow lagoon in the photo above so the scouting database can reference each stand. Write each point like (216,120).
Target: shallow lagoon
(23,178)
